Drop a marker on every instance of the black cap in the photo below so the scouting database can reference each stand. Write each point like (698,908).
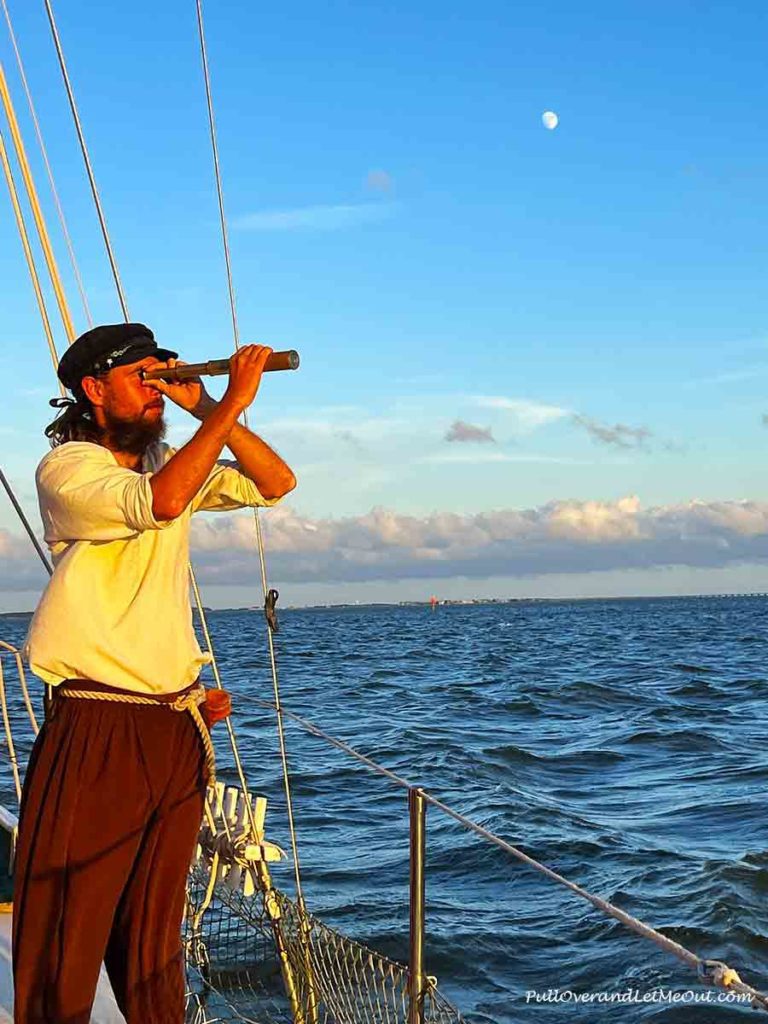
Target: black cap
(103,348)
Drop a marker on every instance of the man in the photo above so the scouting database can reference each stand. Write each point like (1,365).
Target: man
(113,795)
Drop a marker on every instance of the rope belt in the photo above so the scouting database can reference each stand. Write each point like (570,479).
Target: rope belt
(189,701)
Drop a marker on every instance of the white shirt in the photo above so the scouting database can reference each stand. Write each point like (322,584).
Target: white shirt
(117,608)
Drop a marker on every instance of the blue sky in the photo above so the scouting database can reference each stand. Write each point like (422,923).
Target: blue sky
(400,215)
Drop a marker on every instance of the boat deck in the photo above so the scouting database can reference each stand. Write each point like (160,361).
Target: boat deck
(105,1009)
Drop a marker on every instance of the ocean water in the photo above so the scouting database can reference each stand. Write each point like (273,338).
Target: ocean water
(622,743)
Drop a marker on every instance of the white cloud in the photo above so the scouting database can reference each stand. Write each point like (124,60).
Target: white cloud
(561,537)
(315,218)
(529,415)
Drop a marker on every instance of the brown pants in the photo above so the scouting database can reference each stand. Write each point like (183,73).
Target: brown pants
(110,812)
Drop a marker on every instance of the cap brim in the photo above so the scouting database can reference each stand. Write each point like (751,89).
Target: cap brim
(139,352)
(164,353)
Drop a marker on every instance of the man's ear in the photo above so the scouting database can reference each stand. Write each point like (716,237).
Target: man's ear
(93,387)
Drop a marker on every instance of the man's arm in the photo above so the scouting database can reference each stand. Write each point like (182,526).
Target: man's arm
(175,485)
(256,459)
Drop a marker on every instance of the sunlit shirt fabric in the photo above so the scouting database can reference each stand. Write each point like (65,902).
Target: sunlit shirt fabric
(117,607)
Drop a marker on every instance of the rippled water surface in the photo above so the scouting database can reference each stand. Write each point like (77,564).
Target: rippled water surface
(622,743)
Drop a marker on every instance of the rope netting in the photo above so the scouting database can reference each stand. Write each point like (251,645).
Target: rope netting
(234,972)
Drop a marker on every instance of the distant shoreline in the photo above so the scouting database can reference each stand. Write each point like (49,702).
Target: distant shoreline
(459,603)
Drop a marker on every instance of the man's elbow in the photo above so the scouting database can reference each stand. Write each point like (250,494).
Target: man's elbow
(278,488)
(164,513)
(166,507)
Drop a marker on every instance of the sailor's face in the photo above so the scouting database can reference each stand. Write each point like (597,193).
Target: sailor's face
(128,397)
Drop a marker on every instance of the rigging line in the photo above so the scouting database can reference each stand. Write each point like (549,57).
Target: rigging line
(25,522)
(9,737)
(280,729)
(48,168)
(710,971)
(28,254)
(34,203)
(217,172)
(9,648)
(257,521)
(86,158)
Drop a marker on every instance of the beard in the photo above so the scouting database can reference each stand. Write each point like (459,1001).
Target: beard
(132,436)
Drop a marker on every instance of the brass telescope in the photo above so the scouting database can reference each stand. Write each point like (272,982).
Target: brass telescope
(217,367)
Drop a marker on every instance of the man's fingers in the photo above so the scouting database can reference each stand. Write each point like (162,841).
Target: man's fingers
(251,355)
(263,355)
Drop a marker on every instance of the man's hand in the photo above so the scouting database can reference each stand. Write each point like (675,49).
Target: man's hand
(189,395)
(245,370)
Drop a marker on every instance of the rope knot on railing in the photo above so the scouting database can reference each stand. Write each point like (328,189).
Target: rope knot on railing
(715,972)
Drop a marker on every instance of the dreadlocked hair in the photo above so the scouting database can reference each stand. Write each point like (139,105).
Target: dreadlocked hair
(75,421)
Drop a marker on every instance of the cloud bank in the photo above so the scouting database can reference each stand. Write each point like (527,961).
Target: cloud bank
(559,537)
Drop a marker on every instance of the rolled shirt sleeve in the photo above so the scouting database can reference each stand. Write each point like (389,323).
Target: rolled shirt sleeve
(228,488)
(85,495)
